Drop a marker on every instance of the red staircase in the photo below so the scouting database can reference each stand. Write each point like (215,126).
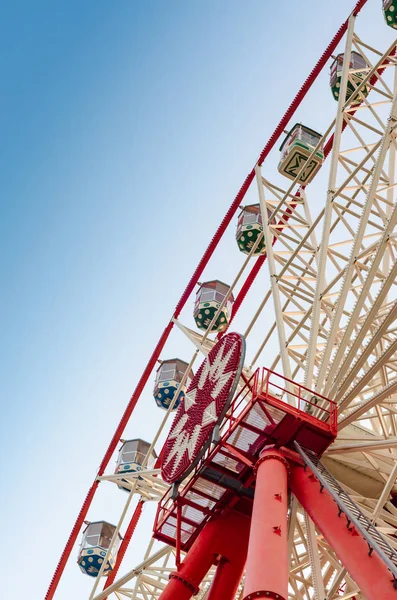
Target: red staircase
(270,410)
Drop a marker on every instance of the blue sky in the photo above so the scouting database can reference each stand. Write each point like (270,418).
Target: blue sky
(126,129)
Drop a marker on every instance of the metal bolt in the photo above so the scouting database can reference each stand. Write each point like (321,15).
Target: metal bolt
(277,529)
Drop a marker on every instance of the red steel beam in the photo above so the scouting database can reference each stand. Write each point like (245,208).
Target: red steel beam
(369,572)
(189,288)
(261,259)
(266,573)
(71,540)
(108,454)
(226,579)
(124,544)
(224,536)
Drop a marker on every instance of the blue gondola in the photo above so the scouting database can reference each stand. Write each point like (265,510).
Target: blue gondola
(95,543)
(168,378)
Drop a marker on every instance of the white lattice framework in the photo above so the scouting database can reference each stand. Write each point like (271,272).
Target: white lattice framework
(332,290)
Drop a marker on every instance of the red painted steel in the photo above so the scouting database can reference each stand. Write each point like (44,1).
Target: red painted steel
(274,386)
(227,579)
(108,454)
(369,572)
(225,536)
(209,395)
(124,544)
(259,417)
(178,534)
(256,268)
(261,259)
(71,541)
(189,288)
(266,573)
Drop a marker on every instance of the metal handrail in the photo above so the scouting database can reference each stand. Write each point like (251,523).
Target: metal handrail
(354,514)
(296,391)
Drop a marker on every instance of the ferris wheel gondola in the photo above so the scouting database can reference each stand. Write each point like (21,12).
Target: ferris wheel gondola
(358,69)
(390,12)
(333,296)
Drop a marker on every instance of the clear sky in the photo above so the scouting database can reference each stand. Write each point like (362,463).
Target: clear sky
(126,130)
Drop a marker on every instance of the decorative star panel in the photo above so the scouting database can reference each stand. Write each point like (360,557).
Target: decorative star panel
(203,406)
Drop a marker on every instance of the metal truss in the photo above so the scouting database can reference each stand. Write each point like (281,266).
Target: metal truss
(331,287)
(148,579)
(147,483)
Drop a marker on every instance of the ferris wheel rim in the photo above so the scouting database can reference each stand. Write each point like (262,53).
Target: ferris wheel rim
(206,257)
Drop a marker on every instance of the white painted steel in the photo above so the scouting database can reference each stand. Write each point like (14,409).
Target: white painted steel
(333,293)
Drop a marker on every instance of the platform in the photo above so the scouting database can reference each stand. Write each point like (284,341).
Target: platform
(268,410)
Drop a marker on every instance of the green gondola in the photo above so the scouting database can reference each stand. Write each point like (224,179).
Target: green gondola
(249,228)
(296,149)
(358,70)
(208,300)
(390,12)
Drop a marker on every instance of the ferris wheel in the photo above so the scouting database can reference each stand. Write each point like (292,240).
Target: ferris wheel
(277,478)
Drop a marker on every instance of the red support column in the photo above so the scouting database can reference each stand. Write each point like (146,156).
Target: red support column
(225,536)
(227,578)
(369,572)
(267,561)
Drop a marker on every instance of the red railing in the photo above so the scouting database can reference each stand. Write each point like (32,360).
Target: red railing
(272,385)
(320,64)
(261,410)
(283,391)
